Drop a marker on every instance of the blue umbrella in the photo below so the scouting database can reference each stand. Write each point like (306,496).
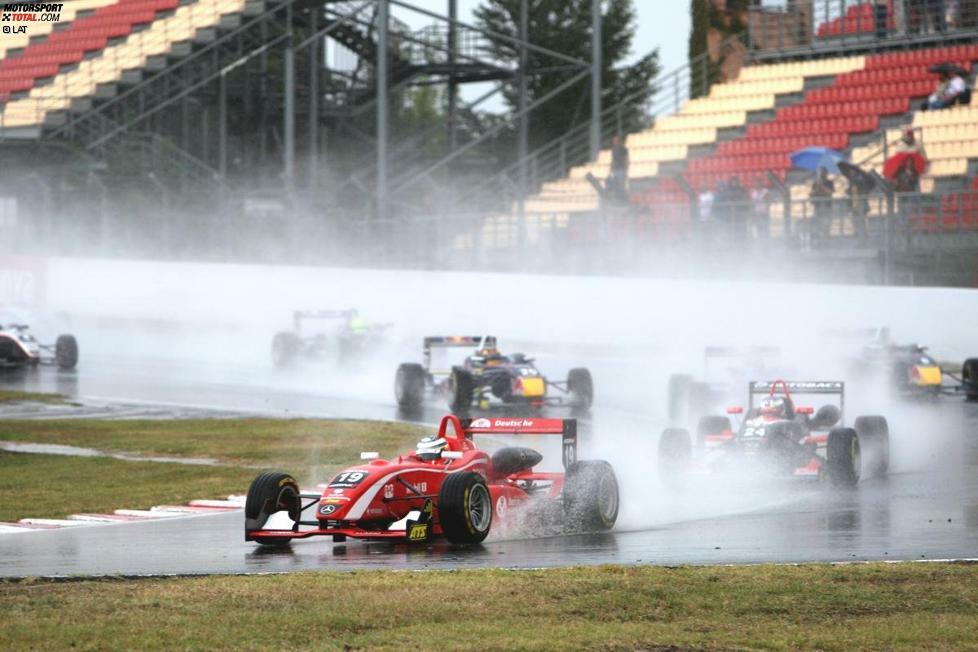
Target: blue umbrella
(813,158)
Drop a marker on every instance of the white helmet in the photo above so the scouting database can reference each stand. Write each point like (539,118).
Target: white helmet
(430,448)
(774,406)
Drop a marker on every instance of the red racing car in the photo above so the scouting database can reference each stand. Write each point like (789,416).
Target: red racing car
(780,438)
(449,486)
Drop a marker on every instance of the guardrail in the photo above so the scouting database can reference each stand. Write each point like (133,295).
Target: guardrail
(834,27)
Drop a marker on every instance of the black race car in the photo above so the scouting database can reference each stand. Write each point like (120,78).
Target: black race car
(908,368)
(342,336)
(487,378)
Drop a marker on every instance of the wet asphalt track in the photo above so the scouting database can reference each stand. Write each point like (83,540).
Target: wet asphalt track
(924,511)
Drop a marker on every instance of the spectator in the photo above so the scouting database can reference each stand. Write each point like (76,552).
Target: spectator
(821,196)
(617,183)
(737,199)
(909,143)
(706,200)
(858,209)
(907,180)
(935,15)
(950,89)
(760,198)
(880,16)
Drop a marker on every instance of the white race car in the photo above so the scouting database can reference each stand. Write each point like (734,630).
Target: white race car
(19,348)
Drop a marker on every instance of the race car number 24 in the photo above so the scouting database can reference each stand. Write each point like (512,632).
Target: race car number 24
(348,479)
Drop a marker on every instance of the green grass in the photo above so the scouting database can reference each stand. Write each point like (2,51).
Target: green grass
(14,396)
(266,442)
(865,607)
(55,486)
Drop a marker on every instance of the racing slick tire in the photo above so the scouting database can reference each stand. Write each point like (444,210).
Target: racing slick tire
(461,389)
(591,497)
(409,385)
(711,425)
(843,458)
(675,452)
(581,388)
(66,352)
(874,438)
(270,493)
(465,507)
(969,378)
(285,348)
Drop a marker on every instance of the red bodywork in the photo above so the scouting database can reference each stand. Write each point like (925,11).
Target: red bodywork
(364,501)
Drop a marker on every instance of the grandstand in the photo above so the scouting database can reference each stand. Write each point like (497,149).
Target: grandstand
(214,100)
(746,128)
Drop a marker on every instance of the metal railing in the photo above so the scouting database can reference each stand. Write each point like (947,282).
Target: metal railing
(833,27)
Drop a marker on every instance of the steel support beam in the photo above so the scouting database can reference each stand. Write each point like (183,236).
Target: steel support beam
(524,131)
(595,78)
(383,25)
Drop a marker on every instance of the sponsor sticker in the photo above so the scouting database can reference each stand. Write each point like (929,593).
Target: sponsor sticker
(348,479)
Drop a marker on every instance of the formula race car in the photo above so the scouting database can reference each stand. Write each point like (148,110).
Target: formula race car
(780,438)
(345,336)
(488,378)
(908,368)
(19,348)
(449,486)
(725,369)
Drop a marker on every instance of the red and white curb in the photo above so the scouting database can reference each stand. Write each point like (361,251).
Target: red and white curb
(159,512)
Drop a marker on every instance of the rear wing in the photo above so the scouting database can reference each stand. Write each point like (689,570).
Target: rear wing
(301,315)
(803,387)
(799,386)
(740,351)
(447,342)
(565,428)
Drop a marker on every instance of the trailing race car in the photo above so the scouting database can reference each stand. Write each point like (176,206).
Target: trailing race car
(779,438)
(19,348)
(348,336)
(725,368)
(447,487)
(488,378)
(908,367)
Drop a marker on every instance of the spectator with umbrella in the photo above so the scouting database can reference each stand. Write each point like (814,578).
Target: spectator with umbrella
(823,160)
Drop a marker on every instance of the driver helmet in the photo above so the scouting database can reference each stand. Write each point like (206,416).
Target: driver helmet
(774,406)
(358,324)
(430,448)
(489,349)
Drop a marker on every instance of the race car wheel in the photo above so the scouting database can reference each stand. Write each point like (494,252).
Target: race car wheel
(675,452)
(590,496)
(843,457)
(874,438)
(461,388)
(409,385)
(66,351)
(581,387)
(270,493)
(285,348)
(465,507)
(711,425)
(969,377)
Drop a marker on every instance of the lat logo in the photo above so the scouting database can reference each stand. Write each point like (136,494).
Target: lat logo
(388,491)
